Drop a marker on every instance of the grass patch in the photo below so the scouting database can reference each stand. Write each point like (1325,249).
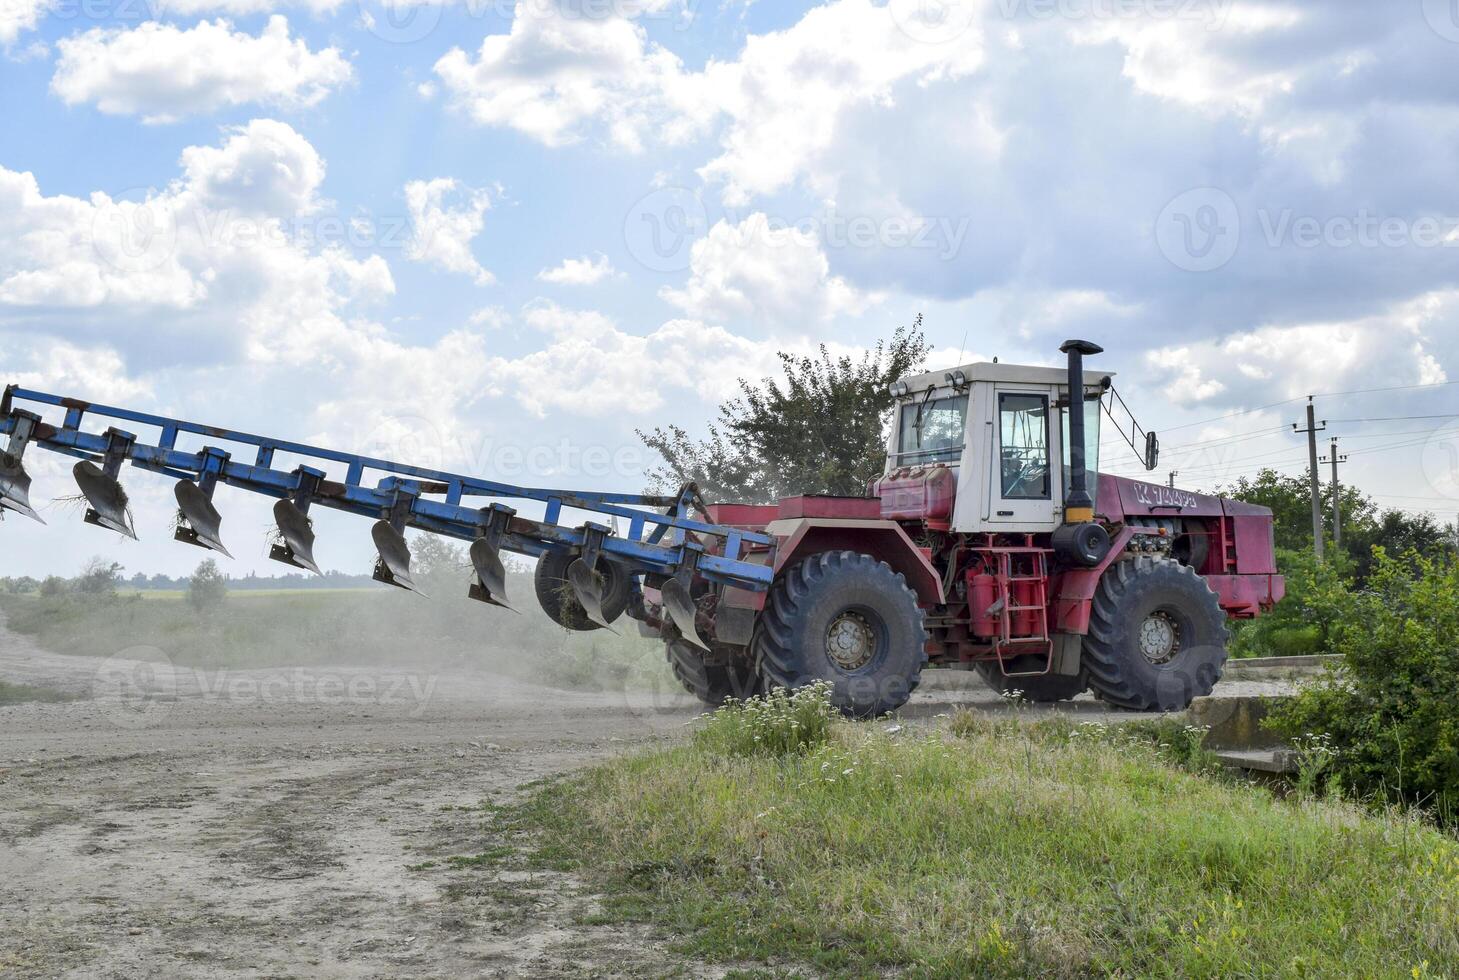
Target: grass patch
(23,693)
(1006,850)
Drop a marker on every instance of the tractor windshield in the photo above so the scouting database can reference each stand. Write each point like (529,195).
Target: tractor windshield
(932,430)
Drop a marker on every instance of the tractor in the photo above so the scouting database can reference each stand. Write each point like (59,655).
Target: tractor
(990,543)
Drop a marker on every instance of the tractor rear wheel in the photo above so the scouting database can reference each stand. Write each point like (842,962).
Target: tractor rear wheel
(560,603)
(1041,689)
(712,683)
(1157,636)
(848,620)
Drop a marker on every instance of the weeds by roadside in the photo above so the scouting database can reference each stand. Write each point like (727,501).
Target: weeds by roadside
(998,848)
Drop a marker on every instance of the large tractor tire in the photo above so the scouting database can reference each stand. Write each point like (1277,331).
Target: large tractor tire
(559,602)
(1157,636)
(714,684)
(848,620)
(1041,689)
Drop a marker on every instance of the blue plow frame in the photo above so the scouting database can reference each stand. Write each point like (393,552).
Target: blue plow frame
(656,543)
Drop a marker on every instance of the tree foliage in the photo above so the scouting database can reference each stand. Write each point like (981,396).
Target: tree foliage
(208,586)
(1392,709)
(1364,525)
(819,429)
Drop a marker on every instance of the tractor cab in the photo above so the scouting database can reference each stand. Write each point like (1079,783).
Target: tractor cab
(986,447)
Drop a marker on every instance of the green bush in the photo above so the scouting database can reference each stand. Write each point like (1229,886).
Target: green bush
(208,587)
(779,723)
(1391,709)
(1318,596)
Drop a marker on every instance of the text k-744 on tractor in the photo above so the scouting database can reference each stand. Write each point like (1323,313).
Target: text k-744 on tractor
(989,543)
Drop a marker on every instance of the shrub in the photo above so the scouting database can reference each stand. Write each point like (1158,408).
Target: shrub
(779,723)
(53,586)
(1392,709)
(1319,595)
(208,587)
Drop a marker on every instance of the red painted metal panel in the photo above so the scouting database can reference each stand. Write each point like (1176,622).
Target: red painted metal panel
(843,508)
(749,516)
(917,493)
(1245,596)
(1135,498)
(884,540)
(1254,552)
(1073,589)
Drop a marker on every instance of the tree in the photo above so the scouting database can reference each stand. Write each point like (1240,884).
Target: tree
(99,577)
(1391,710)
(53,586)
(819,429)
(208,586)
(1290,499)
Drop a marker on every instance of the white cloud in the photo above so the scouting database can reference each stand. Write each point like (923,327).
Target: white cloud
(213,258)
(17,16)
(557,70)
(1291,360)
(784,97)
(758,270)
(163,73)
(445,217)
(589,366)
(585,271)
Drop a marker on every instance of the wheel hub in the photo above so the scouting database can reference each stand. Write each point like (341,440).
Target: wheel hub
(850,641)
(1159,638)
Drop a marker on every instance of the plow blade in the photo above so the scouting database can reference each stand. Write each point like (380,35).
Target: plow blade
(680,606)
(203,520)
(393,568)
(491,575)
(297,548)
(107,499)
(589,591)
(15,487)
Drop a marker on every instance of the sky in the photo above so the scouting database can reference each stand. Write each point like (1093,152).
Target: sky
(500,237)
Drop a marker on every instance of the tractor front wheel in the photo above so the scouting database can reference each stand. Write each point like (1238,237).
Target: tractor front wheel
(1157,636)
(848,620)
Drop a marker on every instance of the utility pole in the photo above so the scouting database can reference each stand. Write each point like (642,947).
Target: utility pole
(1335,458)
(1173,475)
(1311,432)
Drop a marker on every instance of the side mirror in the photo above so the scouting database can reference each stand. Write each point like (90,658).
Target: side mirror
(1152,450)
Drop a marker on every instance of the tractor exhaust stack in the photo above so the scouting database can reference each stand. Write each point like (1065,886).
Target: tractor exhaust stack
(1079,506)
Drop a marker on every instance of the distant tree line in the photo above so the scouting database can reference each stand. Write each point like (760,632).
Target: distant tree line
(99,576)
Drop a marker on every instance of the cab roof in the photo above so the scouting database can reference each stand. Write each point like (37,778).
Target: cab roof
(1007,373)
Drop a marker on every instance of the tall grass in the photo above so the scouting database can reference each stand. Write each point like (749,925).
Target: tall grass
(1005,852)
(778,723)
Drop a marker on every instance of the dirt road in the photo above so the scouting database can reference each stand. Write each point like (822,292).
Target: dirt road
(300,822)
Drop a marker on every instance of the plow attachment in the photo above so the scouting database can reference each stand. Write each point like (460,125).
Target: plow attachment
(664,540)
(393,565)
(15,487)
(202,520)
(107,499)
(297,534)
(491,575)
